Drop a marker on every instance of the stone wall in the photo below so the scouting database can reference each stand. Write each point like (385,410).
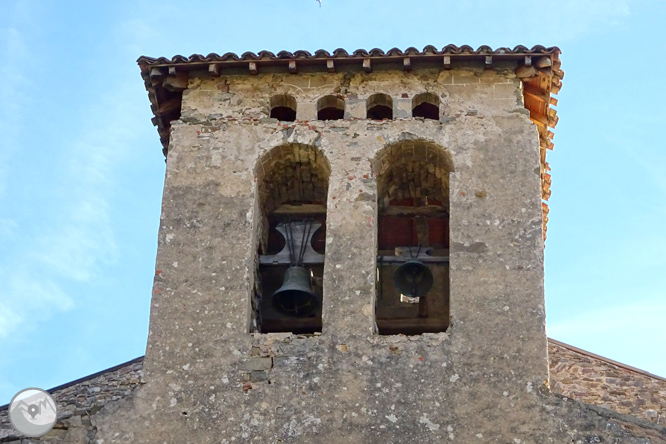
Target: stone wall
(574,374)
(599,381)
(349,382)
(78,402)
(207,379)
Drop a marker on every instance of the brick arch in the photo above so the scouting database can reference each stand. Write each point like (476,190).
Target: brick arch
(292,173)
(412,169)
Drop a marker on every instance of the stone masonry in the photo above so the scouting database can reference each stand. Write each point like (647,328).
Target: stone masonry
(598,381)
(79,401)
(574,374)
(210,377)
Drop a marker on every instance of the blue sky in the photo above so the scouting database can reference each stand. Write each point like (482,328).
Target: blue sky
(81,168)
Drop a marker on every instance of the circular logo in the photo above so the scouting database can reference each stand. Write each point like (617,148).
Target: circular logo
(33,412)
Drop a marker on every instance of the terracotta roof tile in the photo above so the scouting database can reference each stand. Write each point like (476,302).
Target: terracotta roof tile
(341,53)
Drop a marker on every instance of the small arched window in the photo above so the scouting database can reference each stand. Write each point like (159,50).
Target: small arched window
(380,107)
(426,105)
(283,108)
(330,108)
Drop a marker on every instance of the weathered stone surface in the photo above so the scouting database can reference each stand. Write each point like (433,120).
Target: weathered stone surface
(483,377)
(79,401)
(563,367)
(603,383)
(207,378)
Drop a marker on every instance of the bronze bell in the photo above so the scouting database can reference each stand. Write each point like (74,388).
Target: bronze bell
(295,297)
(413,279)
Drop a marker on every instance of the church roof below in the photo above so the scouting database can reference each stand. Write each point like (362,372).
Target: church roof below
(574,374)
(539,69)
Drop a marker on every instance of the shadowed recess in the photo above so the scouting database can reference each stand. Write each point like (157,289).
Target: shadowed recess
(380,107)
(425,105)
(283,108)
(330,108)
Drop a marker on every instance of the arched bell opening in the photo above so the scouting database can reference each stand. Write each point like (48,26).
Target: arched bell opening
(413,238)
(283,108)
(330,108)
(426,105)
(292,189)
(379,107)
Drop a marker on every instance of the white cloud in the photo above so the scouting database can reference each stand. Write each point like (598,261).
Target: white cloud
(14,99)
(9,320)
(27,300)
(74,237)
(565,20)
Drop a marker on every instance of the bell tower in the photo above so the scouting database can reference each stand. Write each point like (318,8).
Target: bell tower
(351,248)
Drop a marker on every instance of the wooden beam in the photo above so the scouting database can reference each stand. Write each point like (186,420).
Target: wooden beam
(426,211)
(330,65)
(489,61)
(168,106)
(172,71)
(152,98)
(305,209)
(292,67)
(407,64)
(156,73)
(214,69)
(553,101)
(178,82)
(536,94)
(528,60)
(423,238)
(540,123)
(422,231)
(543,62)
(447,62)
(537,116)
(252,66)
(367,67)
(555,87)
(388,259)
(391,254)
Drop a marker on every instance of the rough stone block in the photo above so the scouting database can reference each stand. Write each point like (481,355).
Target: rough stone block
(355,109)
(258,363)
(258,375)
(306,110)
